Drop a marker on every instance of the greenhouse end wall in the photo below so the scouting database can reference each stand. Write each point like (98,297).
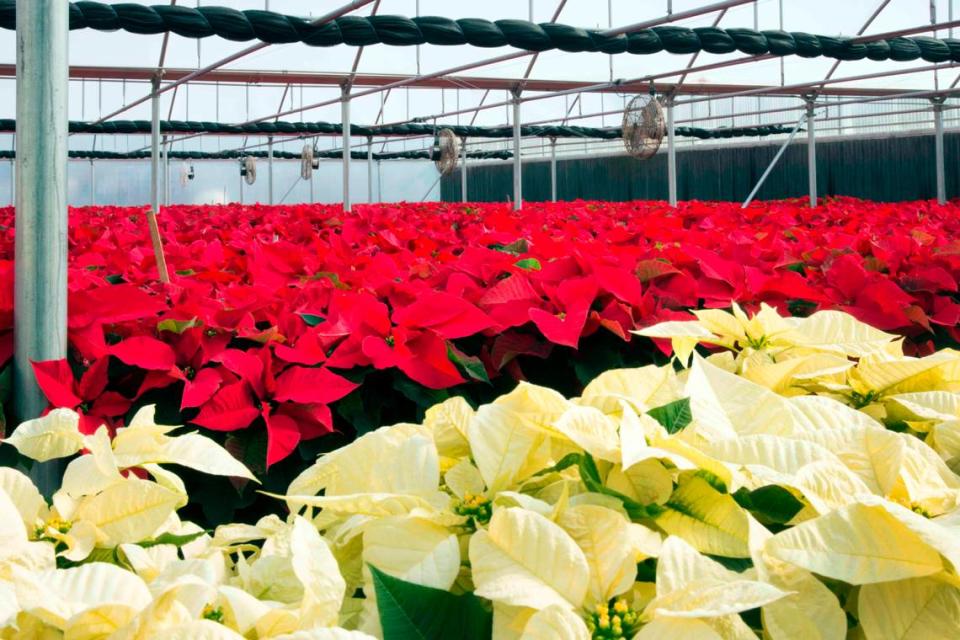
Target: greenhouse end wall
(886,169)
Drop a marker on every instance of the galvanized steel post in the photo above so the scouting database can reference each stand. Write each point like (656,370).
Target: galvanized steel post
(812,152)
(671,155)
(553,169)
(40,285)
(345,112)
(938,144)
(517,162)
(311,187)
(167,189)
(463,171)
(369,169)
(379,182)
(155,183)
(270,169)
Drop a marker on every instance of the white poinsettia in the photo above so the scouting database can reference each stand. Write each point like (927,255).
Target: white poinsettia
(824,332)
(806,476)
(139,572)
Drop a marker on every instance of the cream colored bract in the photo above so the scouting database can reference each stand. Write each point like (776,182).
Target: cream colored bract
(799,482)
(803,473)
(109,558)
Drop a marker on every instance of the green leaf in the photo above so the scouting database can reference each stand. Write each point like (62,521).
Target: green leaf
(469,365)
(6,395)
(413,612)
(771,504)
(311,319)
(733,564)
(178,326)
(797,267)
(171,538)
(186,272)
(99,554)
(674,416)
(115,278)
(647,270)
(514,248)
(420,395)
(362,409)
(567,461)
(590,476)
(647,570)
(712,480)
(529,264)
(334,279)
(601,356)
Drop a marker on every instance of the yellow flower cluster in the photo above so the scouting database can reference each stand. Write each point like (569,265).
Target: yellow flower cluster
(613,622)
(478,507)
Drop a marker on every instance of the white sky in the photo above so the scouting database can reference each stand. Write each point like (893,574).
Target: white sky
(89,100)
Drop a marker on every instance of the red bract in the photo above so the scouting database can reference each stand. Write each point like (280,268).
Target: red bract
(88,395)
(256,392)
(258,332)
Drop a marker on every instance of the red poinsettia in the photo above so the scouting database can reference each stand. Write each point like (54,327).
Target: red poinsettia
(294,405)
(89,395)
(269,307)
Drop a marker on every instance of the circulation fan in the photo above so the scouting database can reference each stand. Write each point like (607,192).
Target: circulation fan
(187,173)
(643,126)
(248,169)
(308,162)
(446,151)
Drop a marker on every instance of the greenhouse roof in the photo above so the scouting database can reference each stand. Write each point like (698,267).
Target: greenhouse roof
(220,80)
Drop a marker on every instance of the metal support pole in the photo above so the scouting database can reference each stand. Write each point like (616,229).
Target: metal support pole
(93,184)
(938,129)
(369,170)
(40,285)
(671,155)
(517,161)
(167,189)
(155,183)
(270,169)
(165,185)
(345,119)
(773,163)
(164,178)
(553,169)
(13,190)
(812,152)
(379,182)
(463,172)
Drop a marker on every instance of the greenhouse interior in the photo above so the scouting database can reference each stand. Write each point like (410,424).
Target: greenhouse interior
(544,320)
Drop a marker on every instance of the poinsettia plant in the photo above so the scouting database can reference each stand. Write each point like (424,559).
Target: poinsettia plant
(283,324)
